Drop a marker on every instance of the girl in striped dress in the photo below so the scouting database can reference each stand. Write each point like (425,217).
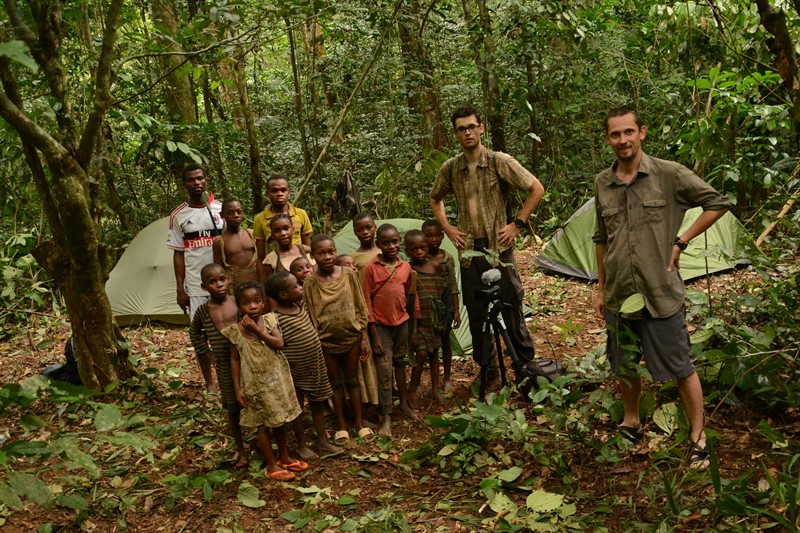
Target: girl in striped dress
(304,353)
(431,283)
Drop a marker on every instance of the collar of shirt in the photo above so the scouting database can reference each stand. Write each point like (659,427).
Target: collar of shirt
(645,168)
(483,160)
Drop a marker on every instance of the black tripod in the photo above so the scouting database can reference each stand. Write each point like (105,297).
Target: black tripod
(494,327)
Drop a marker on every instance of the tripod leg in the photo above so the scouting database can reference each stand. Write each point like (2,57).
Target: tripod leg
(501,365)
(484,378)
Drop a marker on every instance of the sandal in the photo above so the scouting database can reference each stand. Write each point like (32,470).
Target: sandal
(280,475)
(341,437)
(698,458)
(295,466)
(367,434)
(633,434)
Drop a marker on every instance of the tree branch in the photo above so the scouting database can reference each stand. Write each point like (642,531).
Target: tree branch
(188,57)
(29,130)
(21,29)
(31,155)
(102,92)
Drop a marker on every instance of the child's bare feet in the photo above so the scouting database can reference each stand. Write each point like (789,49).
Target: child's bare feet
(447,386)
(437,398)
(413,399)
(306,453)
(211,388)
(385,428)
(408,411)
(329,447)
(242,460)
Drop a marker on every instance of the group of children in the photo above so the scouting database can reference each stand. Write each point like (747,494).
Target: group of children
(318,326)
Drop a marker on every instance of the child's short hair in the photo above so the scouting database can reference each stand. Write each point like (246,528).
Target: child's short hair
(246,286)
(229,200)
(362,216)
(278,217)
(318,239)
(385,228)
(209,269)
(297,260)
(432,223)
(413,234)
(340,258)
(277,283)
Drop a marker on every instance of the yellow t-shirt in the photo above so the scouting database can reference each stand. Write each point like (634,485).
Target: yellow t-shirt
(300,221)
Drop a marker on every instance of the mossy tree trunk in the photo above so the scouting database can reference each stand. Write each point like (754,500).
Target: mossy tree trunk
(59,155)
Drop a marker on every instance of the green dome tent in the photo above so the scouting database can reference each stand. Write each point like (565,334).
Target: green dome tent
(141,287)
(571,252)
(347,243)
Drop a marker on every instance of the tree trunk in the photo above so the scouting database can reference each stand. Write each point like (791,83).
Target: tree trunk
(423,97)
(782,47)
(534,122)
(75,258)
(485,61)
(256,181)
(178,94)
(216,155)
(497,124)
(106,170)
(298,99)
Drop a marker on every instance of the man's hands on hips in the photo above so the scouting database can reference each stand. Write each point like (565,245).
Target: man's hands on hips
(675,259)
(508,234)
(455,234)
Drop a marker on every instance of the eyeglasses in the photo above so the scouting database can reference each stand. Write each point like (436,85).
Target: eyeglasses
(461,130)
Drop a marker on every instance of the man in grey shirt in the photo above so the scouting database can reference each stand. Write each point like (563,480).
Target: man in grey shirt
(640,204)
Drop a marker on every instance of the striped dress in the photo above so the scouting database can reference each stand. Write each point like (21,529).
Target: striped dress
(304,353)
(203,333)
(430,288)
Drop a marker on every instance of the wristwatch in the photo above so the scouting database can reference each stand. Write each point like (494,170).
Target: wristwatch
(680,243)
(519,223)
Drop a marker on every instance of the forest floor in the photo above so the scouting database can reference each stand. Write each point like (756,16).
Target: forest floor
(172,486)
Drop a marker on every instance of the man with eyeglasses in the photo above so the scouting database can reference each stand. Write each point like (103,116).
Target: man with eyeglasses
(480,180)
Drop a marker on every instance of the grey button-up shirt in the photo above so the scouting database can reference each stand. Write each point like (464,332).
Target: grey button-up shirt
(638,223)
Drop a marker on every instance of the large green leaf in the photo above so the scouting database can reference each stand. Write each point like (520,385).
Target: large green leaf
(248,496)
(135,440)
(31,487)
(73,501)
(19,52)
(542,501)
(9,497)
(77,456)
(632,304)
(107,418)
(511,474)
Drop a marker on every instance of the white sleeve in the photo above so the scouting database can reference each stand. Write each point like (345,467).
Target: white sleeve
(175,235)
